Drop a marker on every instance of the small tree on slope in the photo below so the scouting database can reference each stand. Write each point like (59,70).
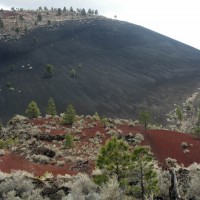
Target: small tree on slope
(145,118)
(32,111)
(69,116)
(51,107)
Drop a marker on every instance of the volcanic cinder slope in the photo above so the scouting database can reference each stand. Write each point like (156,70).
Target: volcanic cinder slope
(121,68)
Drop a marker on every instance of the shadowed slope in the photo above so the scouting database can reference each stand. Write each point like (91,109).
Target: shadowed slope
(124,68)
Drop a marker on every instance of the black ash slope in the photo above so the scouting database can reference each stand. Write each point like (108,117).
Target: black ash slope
(124,68)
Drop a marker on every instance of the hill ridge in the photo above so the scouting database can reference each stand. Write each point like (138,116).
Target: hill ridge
(121,68)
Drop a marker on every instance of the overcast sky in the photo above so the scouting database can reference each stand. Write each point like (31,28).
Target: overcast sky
(178,19)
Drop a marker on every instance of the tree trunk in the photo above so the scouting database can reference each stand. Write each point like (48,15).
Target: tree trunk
(142,182)
(173,190)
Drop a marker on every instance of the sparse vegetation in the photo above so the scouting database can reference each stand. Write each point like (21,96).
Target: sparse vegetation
(124,170)
(21,18)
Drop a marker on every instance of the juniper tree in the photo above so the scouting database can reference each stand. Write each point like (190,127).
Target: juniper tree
(51,107)
(32,111)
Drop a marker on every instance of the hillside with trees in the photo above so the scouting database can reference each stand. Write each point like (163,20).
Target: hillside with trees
(97,64)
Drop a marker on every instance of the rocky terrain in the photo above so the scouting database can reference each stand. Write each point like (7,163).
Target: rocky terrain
(39,145)
(35,154)
(18,23)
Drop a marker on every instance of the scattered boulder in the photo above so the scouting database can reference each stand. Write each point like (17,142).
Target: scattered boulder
(44,151)
(49,138)
(2,152)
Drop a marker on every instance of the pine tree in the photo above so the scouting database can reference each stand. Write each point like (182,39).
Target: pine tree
(1,125)
(83,12)
(32,111)
(51,107)
(49,69)
(196,132)
(1,23)
(145,118)
(59,11)
(96,12)
(114,158)
(142,173)
(89,11)
(179,113)
(71,9)
(70,115)
(39,17)
(68,141)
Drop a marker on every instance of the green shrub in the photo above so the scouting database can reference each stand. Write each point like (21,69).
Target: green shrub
(96,116)
(17,29)
(72,73)
(69,140)
(39,17)
(2,144)
(100,179)
(8,84)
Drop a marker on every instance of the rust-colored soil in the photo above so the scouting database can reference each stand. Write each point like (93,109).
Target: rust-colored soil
(13,161)
(162,142)
(168,144)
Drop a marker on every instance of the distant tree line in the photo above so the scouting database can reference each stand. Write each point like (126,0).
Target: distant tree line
(59,11)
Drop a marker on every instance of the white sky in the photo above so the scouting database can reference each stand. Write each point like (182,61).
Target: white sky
(178,19)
